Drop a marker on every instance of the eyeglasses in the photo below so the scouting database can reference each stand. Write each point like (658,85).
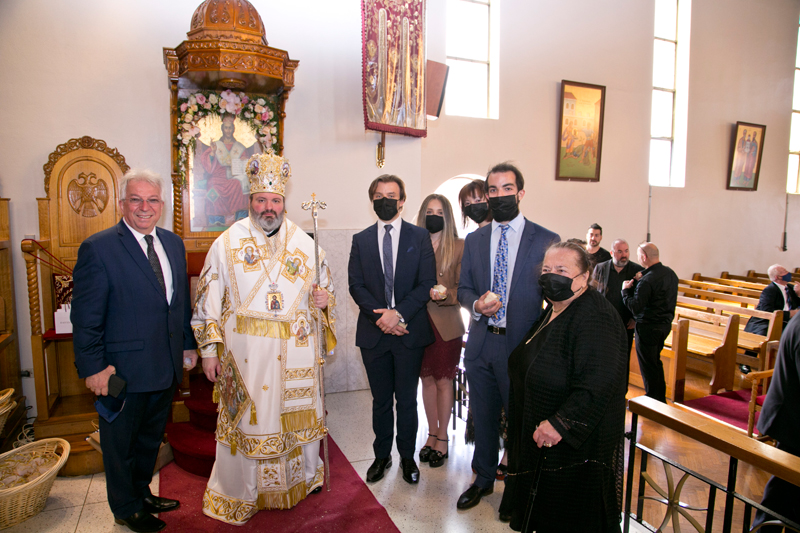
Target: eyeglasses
(135,201)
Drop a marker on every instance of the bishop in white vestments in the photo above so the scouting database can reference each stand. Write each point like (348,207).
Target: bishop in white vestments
(255,324)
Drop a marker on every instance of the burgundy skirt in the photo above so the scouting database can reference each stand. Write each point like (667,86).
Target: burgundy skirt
(440,358)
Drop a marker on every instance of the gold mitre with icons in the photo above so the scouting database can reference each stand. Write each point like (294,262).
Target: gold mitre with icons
(268,172)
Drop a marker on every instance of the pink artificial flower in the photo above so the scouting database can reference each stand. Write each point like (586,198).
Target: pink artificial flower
(264,117)
(184,107)
(201,99)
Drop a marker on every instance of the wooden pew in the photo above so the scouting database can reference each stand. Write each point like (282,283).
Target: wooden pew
(746,341)
(735,277)
(731,282)
(713,339)
(764,275)
(714,296)
(722,289)
(673,358)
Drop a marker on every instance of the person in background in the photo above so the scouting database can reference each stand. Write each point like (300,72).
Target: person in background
(440,358)
(499,288)
(474,204)
(608,278)
(594,237)
(567,406)
(651,298)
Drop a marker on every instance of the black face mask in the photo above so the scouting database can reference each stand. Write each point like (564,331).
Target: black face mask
(556,287)
(434,223)
(385,208)
(477,212)
(504,208)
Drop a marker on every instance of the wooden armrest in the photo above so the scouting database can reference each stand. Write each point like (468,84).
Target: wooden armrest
(756,376)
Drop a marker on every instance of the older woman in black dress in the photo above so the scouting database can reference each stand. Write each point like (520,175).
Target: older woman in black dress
(567,407)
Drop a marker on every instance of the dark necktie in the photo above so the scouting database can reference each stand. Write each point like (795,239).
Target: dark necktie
(155,263)
(388,269)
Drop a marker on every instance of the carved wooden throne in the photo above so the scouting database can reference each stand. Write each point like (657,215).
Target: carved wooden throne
(80,184)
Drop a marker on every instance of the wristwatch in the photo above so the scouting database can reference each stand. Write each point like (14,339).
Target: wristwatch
(402,320)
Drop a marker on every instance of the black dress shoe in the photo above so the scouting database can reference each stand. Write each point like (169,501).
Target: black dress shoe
(437,458)
(505,517)
(154,504)
(472,496)
(410,470)
(317,490)
(378,468)
(142,522)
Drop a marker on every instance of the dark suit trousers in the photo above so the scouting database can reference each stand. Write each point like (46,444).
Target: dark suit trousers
(130,447)
(393,373)
(649,343)
(780,496)
(629,333)
(487,377)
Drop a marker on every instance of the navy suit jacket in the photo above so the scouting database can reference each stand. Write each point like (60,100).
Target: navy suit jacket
(524,295)
(771,300)
(120,315)
(414,277)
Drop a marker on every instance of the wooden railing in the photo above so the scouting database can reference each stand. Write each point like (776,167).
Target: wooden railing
(715,435)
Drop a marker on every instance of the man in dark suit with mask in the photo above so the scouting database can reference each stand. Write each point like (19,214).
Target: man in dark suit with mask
(502,259)
(391,272)
(778,295)
(130,317)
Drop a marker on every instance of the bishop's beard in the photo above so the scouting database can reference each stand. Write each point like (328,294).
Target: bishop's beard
(268,224)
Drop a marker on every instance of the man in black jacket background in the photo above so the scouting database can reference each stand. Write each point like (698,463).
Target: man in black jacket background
(652,301)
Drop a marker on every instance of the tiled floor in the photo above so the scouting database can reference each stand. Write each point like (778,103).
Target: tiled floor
(78,505)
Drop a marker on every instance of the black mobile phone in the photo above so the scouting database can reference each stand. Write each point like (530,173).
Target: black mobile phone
(116,385)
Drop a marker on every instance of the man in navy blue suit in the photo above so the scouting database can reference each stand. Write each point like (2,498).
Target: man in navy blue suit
(391,272)
(502,259)
(130,316)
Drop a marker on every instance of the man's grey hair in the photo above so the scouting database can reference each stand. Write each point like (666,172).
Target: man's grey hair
(772,271)
(135,175)
(613,244)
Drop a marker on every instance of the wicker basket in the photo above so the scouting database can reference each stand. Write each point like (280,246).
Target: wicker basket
(17,504)
(5,396)
(6,410)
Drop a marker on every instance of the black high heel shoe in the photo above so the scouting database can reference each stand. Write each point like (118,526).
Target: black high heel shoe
(425,452)
(437,458)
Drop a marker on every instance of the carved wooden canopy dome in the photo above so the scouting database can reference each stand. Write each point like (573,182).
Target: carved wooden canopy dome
(235,20)
(226,48)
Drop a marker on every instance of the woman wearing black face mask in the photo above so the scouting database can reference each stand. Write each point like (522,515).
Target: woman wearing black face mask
(567,406)
(474,204)
(440,358)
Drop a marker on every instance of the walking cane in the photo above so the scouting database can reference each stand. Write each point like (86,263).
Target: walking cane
(314,205)
(526,524)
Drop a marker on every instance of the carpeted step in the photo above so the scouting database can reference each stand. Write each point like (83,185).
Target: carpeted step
(202,410)
(194,449)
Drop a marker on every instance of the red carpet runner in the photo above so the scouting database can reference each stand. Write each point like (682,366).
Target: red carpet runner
(349,506)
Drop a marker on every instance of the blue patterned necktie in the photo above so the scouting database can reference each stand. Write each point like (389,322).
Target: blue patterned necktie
(388,268)
(501,272)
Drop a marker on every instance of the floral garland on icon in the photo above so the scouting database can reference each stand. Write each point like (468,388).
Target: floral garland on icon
(259,113)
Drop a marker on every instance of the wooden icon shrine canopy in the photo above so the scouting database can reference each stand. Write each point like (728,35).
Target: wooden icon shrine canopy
(226,48)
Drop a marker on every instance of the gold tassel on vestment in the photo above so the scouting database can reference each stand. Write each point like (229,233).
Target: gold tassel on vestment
(253,419)
(298,420)
(258,327)
(233,447)
(215,394)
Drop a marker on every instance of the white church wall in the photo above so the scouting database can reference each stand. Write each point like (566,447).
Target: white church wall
(742,68)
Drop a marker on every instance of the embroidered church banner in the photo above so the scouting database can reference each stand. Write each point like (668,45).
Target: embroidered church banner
(393,66)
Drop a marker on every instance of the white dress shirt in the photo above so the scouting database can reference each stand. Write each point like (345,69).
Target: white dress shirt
(160,252)
(395,235)
(513,236)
